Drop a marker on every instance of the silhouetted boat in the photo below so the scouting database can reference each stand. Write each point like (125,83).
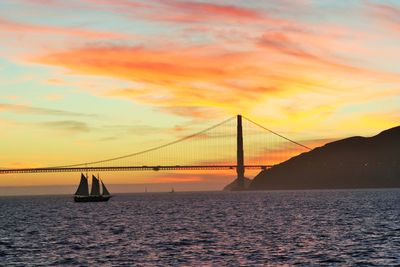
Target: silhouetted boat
(172,190)
(82,193)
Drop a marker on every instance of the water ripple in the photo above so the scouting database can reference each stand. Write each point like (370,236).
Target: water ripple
(306,228)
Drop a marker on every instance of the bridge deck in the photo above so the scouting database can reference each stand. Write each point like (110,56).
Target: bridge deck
(131,168)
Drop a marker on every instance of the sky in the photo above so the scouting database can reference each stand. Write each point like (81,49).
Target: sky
(84,80)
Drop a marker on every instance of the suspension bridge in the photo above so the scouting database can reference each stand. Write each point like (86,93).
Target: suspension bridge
(219,147)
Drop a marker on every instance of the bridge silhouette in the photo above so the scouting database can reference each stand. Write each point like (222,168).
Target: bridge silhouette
(209,149)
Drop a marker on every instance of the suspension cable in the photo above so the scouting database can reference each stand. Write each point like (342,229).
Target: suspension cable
(275,133)
(150,149)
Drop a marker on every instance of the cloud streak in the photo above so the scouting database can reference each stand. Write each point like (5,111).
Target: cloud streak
(215,78)
(197,12)
(67,125)
(387,15)
(23,109)
(8,26)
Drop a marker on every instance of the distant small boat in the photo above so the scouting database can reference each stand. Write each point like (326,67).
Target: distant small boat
(82,193)
(172,190)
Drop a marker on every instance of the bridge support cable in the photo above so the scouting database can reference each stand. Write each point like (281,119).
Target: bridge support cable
(277,134)
(210,149)
(150,149)
(263,146)
(193,153)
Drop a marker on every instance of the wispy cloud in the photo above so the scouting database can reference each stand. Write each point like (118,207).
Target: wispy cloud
(54,97)
(8,26)
(195,12)
(23,109)
(387,15)
(67,125)
(198,112)
(173,10)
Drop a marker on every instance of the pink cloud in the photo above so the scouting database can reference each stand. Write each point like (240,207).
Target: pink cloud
(8,26)
(174,11)
(196,12)
(185,11)
(388,15)
(223,10)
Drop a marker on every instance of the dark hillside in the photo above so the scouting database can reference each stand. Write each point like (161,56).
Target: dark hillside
(355,162)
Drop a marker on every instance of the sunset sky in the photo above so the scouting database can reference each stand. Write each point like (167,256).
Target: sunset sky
(83,80)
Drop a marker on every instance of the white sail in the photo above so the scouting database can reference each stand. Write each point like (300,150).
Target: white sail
(83,188)
(95,187)
(105,191)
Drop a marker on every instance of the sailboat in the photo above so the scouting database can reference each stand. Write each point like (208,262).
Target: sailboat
(82,193)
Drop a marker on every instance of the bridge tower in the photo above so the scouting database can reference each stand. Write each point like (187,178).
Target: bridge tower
(240,154)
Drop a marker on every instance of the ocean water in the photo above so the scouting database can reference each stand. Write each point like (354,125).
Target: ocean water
(349,227)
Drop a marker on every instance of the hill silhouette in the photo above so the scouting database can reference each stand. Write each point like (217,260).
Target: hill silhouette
(355,162)
(234,186)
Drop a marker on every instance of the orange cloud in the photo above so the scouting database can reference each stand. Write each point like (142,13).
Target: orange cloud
(192,111)
(213,77)
(55,81)
(200,80)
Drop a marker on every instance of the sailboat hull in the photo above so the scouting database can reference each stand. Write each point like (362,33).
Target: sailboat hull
(91,198)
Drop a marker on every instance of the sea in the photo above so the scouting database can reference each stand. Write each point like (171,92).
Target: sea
(269,228)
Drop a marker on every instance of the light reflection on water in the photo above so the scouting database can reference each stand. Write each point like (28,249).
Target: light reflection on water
(215,228)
